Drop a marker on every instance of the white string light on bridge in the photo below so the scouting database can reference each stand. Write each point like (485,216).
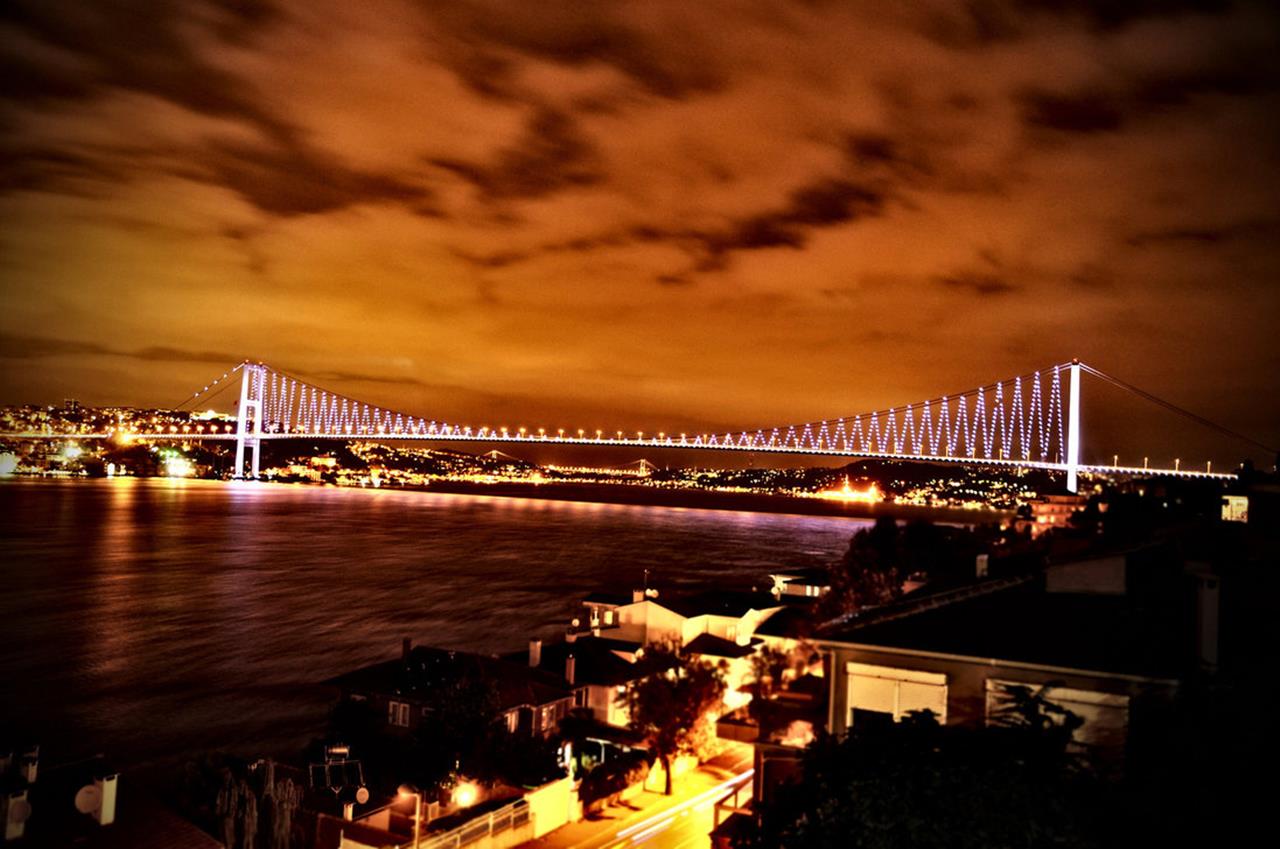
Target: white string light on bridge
(1012,420)
(963,426)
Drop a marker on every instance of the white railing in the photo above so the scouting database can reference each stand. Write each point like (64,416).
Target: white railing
(512,816)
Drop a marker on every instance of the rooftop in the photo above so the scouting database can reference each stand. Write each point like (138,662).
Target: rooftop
(807,575)
(1023,623)
(614,599)
(426,670)
(713,646)
(732,603)
(595,661)
(792,621)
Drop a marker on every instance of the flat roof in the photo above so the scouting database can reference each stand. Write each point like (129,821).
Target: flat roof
(1025,624)
(428,669)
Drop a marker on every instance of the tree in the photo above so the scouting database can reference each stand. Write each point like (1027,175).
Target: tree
(670,706)
(868,575)
(918,784)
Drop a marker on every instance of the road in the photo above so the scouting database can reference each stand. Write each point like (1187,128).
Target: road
(683,821)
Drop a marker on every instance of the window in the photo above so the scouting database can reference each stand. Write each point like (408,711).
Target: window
(608,617)
(894,693)
(580,697)
(398,714)
(1105,715)
(513,720)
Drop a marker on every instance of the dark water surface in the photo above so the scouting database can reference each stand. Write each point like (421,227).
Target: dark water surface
(155,619)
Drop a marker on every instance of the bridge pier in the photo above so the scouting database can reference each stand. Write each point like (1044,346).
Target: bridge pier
(1073,429)
(247,435)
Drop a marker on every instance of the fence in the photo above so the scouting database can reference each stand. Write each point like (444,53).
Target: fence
(494,823)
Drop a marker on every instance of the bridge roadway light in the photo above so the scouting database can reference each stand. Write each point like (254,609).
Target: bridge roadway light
(599,434)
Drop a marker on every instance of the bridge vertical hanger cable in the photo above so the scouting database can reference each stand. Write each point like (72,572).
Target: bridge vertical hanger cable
(1021,421)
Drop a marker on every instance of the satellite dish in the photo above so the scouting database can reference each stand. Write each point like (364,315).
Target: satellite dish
(362,795)
(19,811)
(89,799)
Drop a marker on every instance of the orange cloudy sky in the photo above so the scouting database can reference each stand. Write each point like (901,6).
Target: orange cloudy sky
(640,214)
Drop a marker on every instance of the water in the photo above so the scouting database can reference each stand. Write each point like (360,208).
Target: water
(154,620)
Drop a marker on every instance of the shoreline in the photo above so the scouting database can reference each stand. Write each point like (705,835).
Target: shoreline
(741,502)
(646,496)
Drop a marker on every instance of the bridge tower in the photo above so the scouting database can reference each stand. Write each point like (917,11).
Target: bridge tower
(249,419)
(1073,429)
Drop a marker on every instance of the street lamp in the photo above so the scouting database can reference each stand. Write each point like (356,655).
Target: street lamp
(464,795)
(407,790)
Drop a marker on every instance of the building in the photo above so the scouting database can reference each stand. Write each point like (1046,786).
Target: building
(404,691)
(801,583)
(1049,512)
(648,618)
(1110,639)
(597,669)
(1113,639)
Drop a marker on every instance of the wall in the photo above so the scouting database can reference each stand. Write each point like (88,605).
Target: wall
(647,622)
(967,685)
(553,805)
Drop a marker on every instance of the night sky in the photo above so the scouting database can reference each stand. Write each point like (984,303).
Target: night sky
(640,214)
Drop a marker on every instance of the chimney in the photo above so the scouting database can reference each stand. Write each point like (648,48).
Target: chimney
(535,653)
(29,764)
(570,669)
(405,646)
(106,812)
(637,595)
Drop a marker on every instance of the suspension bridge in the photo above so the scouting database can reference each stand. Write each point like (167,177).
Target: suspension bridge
(1030,421)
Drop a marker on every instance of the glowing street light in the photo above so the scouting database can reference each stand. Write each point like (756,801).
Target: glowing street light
(464,795)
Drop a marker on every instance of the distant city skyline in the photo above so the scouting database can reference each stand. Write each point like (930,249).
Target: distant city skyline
(641,214)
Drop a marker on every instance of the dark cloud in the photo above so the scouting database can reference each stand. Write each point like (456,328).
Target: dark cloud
(28,169)
(982,283)
(823,203)
(551,154)
(669,62)
(980,23)
(358,377)
(1203,235)
(147,48)
(19,347)
(1110,14)
(136,46)
(293,179)
(1082,112)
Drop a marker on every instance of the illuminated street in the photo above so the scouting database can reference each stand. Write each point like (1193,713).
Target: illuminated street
(682,821)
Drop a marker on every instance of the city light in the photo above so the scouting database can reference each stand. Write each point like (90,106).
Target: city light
(869,495)
(465,794)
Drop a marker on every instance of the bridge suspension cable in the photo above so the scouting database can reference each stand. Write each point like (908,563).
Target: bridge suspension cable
(1174,408)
